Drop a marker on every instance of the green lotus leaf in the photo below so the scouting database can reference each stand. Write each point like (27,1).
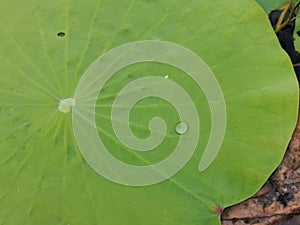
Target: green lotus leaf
(68,72)
(269,5)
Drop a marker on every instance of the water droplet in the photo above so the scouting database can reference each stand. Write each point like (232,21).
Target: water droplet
(167,76)
(66,104)
(182,128)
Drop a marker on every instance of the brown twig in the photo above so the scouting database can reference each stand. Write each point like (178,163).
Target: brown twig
(280,24)
(286,7)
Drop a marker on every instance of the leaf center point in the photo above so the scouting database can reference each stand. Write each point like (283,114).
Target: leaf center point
(66,104)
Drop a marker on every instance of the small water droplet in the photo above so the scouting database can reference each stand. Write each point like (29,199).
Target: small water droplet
(167,76)
(181,128)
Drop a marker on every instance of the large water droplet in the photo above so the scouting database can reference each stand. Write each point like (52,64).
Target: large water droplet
(181,128)
(66,104)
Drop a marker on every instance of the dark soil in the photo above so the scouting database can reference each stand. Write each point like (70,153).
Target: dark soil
(286,37)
